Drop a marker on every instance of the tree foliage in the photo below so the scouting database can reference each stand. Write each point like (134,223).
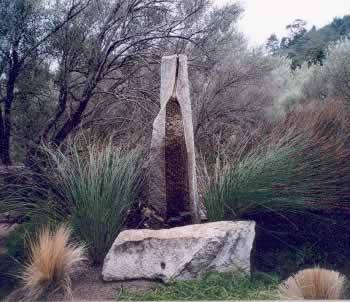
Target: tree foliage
(92,49)
(309,46)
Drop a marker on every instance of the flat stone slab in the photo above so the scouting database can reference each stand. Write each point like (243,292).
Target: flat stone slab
(181,253)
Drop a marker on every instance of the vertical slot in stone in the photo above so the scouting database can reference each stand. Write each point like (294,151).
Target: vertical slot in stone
(176,167)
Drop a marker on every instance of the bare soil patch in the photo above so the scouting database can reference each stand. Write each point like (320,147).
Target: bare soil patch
(89,286)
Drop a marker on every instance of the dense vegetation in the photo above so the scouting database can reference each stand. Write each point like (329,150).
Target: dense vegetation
(79,85)
(309,46)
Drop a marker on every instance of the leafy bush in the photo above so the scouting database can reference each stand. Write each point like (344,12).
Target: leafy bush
(336,70)
(52,261)
(301,163)
(286,85)
(214,286)
(313,83)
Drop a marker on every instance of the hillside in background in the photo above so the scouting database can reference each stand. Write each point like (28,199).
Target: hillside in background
(309,46)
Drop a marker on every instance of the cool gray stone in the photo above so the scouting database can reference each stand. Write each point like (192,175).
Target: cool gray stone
(174,85)
(180,253)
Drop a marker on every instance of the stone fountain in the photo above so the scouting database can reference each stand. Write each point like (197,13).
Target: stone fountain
(189,249)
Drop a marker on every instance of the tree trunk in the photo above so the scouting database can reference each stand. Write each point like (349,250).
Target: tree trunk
(5,144)
(5,135)
(2,134)
(75,118)
(6,120)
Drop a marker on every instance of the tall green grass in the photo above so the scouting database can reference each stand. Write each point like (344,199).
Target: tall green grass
(301,164)
(97,184)
(90,184)
(258,183)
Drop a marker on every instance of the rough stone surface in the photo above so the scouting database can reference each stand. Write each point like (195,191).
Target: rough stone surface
(180,253)
(172,169)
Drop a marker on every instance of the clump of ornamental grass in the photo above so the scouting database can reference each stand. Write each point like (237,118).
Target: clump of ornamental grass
(314,284)
(97,184)
(89,183)
(300,163)
(53,259)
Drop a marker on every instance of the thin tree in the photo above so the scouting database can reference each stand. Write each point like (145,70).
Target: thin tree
(24,30)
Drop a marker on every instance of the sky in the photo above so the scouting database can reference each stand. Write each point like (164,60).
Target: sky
(264,17)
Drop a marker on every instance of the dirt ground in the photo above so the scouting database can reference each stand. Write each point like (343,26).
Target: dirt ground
(89,286)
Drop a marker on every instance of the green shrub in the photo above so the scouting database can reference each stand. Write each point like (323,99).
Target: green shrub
(89,185)
(256,185)
(97,185)
(300,164)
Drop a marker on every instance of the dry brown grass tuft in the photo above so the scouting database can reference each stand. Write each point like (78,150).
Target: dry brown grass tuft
(315,283)
(53,259)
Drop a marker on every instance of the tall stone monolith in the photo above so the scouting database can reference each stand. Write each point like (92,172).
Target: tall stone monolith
(172,176)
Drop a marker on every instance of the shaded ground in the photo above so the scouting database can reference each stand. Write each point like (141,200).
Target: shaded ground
(89,286)
(5,229)
(281,248)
